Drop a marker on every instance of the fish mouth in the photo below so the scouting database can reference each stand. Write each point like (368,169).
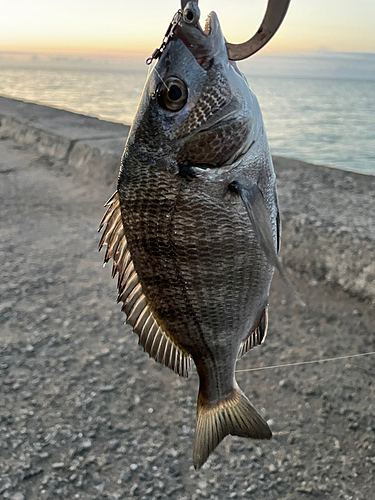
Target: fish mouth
(204,43)
(211,24)
(207,25)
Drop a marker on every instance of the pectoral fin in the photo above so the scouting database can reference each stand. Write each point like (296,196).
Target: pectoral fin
(256,208)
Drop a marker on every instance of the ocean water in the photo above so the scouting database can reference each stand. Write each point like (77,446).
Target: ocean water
(322,121)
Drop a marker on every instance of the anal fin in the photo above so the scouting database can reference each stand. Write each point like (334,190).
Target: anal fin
(154,340)
(257,335)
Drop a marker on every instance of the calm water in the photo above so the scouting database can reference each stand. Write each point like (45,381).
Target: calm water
(329,122)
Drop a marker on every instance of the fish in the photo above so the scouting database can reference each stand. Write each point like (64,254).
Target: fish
(194,227)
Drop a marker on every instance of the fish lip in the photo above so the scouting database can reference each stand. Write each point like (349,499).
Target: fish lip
(208,24)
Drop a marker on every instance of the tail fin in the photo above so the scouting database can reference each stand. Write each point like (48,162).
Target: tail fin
(234,415)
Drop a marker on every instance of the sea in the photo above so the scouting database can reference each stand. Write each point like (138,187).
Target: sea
(319,120)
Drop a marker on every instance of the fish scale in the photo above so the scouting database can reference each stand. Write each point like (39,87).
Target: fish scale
(213,243)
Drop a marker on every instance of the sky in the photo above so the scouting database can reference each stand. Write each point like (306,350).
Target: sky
(135,28)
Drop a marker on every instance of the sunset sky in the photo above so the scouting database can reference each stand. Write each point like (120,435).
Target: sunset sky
(121,27)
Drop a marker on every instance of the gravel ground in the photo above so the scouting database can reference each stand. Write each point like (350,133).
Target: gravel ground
(84,413)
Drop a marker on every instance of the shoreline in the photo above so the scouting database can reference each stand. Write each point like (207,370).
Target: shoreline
(328,214)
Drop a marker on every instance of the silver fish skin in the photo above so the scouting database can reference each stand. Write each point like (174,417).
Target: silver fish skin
(194,229)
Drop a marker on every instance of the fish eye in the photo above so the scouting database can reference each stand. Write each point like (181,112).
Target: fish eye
(173,94)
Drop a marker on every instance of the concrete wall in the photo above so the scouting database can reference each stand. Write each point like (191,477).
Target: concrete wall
(328,225)
(92,146)
(328,215)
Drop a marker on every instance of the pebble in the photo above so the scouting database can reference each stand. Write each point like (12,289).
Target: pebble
(113,444)
(134,490)
(107,388)
(58,465)
(17,496)
(85,444)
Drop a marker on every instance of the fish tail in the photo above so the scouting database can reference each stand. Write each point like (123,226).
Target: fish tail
(233,414)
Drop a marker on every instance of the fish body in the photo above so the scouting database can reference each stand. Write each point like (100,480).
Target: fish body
(194,228)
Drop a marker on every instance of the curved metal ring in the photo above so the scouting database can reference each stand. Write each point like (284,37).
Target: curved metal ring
(275,13)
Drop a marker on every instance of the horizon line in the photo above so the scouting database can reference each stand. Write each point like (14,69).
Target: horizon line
(144,53)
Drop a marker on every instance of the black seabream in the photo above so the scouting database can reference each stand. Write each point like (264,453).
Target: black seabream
(193,228)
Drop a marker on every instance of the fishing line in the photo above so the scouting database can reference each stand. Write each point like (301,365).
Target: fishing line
(149,70)
(157,72)
(324,360)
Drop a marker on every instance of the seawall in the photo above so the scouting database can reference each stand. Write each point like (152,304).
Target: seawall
(328,215)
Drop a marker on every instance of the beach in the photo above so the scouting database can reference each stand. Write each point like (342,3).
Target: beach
(84,413)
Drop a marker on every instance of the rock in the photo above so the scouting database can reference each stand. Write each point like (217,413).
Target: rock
(18,496)
(85,445)
(113,444)
(58,465)
(126,477)
(134,490)
(107,388)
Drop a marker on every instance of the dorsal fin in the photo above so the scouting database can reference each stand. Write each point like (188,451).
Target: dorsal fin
(154,340)
(256,336)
